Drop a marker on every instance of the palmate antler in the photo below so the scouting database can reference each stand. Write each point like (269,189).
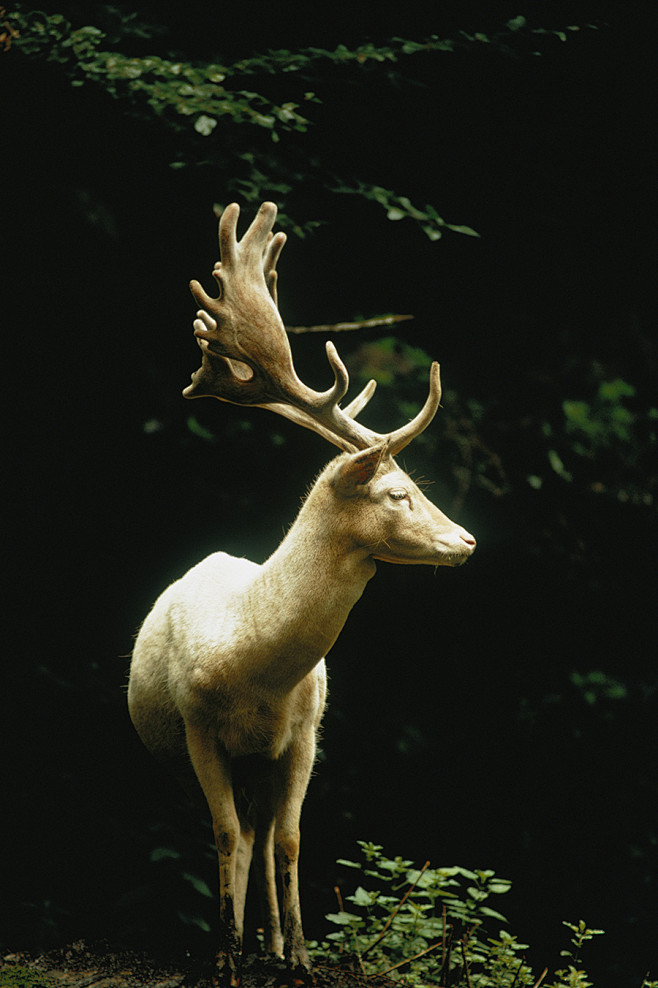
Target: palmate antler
(246,354)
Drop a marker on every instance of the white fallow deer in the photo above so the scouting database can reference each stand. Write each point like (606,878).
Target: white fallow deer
(227,682)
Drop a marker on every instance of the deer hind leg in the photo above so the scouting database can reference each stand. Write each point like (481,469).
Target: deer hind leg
(266,879)
(293,771)
(212,766)
(265,874)
(254,786)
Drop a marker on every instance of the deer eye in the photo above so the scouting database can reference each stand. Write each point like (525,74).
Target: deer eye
(397,495)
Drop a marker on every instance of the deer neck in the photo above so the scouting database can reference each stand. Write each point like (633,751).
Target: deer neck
(302,595)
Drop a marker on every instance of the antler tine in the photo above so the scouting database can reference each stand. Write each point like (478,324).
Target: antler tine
(228,234)
(275,245)
(357,404)
(341,379)
(403,436)
(202,297)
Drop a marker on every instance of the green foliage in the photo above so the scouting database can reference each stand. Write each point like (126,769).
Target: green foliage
(430,926)
(218,117)
(511,39)
(603,423)
(191,888)
(21,976)
(170,88)
(400,207)
(604,442)
(573,976)
(390,360)
(179,859)
(596,687)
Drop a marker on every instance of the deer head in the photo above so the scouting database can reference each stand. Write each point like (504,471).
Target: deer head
(246,356)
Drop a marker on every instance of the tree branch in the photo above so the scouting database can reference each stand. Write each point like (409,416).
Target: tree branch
(342,327)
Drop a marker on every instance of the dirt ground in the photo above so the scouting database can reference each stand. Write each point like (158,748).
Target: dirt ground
(83,965)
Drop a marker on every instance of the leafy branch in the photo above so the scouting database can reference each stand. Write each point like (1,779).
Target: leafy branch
(513,38)
(207,106)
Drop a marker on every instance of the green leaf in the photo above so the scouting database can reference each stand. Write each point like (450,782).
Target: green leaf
(344,919)
(558,466)
(432,232)
(486,911)
(615,390)
(578,413)
(362,898)
(198,430)
(464,872)
(162,853)
(205,125)
(190,920)
(198,884)
(467,230)
(499,887)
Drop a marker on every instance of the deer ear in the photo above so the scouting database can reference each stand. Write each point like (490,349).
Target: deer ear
(358,469)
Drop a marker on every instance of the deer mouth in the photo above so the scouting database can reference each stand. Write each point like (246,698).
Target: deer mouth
(445,555)
(449,559)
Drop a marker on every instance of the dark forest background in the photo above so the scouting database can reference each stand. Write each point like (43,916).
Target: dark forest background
(501,716)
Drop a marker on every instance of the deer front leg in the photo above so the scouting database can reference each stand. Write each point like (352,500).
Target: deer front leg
(213,770)
(242,866)
(294,772)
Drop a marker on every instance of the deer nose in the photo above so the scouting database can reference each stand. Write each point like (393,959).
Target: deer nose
(468,539)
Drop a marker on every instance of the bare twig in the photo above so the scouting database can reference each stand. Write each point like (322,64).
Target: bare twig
(463,942)
(445,961)
(408,960)
(518,971)
(541,978)
(444,916)
(343,327)
(356,942)
(397,909)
